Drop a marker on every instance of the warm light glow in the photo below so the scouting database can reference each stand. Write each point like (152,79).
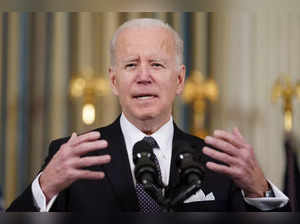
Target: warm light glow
(88,114)
(288,121)
(77,87)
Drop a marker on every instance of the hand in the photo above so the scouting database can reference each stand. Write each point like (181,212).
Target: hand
(65,166)
(241,164)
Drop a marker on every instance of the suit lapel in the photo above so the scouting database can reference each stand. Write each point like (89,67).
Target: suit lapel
(174,178)
(118,170)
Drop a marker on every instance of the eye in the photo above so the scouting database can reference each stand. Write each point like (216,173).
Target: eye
(130,65)
(157,65)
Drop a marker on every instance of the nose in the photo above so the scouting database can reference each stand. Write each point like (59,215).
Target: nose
(144,75)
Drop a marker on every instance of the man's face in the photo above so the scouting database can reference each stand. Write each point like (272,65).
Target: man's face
(146,76)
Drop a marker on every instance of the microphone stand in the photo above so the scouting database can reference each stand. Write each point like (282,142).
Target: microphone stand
(185,193)
(157,195)
(169,203)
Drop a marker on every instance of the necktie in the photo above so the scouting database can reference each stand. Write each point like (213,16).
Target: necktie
(151,141)
(146,202)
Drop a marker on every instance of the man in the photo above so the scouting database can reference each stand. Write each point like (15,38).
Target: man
(95,171)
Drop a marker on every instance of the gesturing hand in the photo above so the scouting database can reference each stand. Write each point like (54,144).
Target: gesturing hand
(241,164)
(65,166)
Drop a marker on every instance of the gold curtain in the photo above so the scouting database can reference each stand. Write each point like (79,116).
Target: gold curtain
(12,101)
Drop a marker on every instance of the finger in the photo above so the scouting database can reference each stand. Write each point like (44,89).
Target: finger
(237,133)
(222,145)
(90,175)
(86,147)
(90,136)
(93,160)
(73,137)
(219,168)
(220,156)
(236,141)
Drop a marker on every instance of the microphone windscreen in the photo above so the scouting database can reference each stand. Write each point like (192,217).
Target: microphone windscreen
(183,147)
(141,146)
(188,160)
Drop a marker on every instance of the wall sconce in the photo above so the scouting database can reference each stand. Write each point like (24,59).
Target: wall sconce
(89,88)
(285,89)
(196,91)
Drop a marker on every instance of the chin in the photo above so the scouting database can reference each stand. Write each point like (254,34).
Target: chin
(146,115)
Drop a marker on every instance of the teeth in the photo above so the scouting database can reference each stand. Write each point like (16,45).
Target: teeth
(144,97)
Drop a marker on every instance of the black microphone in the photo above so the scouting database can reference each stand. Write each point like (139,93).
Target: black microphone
(190,170)
(189,166)
(143,158)
(146,172)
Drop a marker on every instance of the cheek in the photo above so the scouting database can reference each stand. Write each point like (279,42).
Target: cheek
(168,92)
(124,90)
(123,85)
(171,86)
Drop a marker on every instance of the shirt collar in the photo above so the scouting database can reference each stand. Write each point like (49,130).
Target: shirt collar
(132,134)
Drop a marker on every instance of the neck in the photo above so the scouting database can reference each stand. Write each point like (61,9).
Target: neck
(150,125)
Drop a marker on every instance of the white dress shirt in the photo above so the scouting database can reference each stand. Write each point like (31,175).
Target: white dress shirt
(164,138)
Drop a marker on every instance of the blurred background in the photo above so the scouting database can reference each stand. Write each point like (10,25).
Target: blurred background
(54,71)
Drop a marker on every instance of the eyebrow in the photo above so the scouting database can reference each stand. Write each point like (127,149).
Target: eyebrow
(158,60)
(130,59)
(137,58)
(163,61)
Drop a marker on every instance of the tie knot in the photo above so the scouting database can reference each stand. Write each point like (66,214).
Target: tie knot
(151,141)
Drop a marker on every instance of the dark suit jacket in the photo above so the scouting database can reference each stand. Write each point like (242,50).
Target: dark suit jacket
(116,192)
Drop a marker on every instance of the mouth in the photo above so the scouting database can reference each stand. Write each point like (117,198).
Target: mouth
(145,96)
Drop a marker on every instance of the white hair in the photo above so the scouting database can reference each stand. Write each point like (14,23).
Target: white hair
(147,22)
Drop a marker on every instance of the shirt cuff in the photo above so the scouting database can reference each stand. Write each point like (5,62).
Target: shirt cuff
(39,197)
(268,203)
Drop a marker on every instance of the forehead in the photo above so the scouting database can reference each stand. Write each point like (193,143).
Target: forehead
(145,40)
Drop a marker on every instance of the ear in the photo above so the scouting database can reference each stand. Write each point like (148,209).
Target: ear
(180,80)
(113,81)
